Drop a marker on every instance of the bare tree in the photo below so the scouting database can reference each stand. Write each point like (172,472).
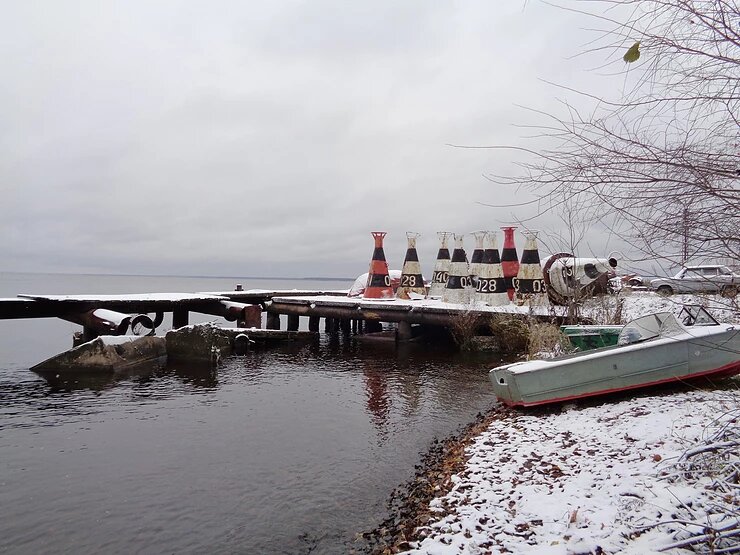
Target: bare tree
(661,163)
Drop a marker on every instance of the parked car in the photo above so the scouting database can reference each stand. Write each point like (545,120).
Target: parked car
(699,279)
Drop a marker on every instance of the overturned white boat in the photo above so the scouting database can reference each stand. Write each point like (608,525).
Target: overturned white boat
(651,350)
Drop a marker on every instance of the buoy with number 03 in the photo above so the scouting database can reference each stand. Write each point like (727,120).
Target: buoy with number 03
(378,281)
(458,286)
(529,283)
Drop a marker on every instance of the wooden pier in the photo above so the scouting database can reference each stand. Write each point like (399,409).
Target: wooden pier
(356,314)
(341,313)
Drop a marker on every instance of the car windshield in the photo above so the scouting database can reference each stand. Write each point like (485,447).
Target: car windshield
(660,324)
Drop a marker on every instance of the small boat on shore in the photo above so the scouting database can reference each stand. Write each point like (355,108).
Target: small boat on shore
(651,350)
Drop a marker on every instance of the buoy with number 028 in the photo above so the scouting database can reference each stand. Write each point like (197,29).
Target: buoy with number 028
(412,280)
(491,287)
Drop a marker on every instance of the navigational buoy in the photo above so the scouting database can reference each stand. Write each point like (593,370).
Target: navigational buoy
(529,282)
(476,258)
(441,266)
(457,289)
(412,280)
(491,287)
(509,260)
(378,281)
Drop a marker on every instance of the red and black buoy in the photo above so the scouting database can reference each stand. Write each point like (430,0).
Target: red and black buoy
(378,280)
(509,260)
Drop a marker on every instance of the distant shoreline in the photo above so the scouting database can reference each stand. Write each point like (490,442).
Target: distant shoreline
(281,278)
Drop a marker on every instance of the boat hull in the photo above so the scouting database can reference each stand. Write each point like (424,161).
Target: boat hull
(613,369)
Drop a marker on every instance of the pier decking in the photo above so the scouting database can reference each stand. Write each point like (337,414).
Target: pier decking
(339,311)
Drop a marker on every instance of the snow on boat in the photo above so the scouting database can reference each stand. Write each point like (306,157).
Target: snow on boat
(651,350)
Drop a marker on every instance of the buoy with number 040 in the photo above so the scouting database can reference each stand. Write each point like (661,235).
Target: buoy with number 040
(441,267)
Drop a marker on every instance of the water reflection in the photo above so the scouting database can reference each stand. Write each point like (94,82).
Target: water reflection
(284,450)
(378,400)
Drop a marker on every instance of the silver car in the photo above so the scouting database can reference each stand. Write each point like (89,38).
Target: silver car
(699,279)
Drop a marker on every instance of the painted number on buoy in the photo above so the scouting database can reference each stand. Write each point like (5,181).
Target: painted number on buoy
(486,285)
(387,280)
(440,277)
(408,281)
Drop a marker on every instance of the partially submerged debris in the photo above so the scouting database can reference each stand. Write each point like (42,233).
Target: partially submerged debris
(107,354)
(208,344)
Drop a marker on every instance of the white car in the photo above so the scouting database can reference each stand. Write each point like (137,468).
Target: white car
(699,279)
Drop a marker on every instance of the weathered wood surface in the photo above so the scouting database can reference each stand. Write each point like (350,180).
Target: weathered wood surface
(412,312)
(51,306)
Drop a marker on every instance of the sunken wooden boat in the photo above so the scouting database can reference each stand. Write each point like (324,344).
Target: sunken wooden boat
(651,350)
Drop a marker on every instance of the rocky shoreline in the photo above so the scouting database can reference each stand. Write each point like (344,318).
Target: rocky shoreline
(409,504)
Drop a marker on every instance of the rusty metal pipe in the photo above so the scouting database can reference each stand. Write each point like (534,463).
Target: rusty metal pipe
(100,321)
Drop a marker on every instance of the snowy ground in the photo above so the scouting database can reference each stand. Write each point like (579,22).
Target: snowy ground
(639,303)
(587,480)
(609,478)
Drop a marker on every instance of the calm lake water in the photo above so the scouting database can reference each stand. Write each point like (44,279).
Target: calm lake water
(289,450)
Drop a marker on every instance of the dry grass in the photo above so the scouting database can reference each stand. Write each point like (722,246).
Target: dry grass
(546,340)
(463,328)
(512,333)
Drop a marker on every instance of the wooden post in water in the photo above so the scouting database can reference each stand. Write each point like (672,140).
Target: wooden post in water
(404,331)
(346,326)
(372,326)
(273,321)
(179,318)
(293,322)
(313,323)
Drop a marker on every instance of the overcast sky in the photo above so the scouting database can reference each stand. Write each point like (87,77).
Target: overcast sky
(265,138)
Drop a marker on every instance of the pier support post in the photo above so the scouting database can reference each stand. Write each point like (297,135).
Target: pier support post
(293,322)
(404,331)
(372,326)
(88,334)
(179,318)
(346,326)
(252,317)
(313,323)
(273,321)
